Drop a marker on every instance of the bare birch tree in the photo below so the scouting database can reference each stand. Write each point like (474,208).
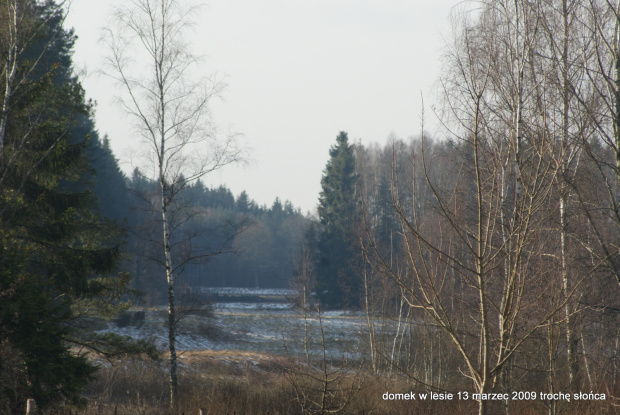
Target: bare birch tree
(513,248)
(485,244)
(600,20)
(150,58)
(557,73)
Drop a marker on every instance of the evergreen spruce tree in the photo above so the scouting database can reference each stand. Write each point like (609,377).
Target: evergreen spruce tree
(242,204)
(337,284)
(57,258)
(107,181)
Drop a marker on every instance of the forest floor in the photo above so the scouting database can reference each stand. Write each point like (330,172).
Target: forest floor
(264,357)
(236,382)
(233,382)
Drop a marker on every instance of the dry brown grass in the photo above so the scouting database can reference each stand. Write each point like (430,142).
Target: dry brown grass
(230,382)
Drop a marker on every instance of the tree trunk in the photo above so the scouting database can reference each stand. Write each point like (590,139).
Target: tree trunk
(31,407)
(10,71)
(171,299)
(571,344)
(616,115)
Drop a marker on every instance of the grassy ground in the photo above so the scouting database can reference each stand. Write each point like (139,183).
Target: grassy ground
(229,382)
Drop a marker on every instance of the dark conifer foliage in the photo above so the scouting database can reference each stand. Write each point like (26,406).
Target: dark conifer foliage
(107,181)
(262,255)
(337,283)
(57,257)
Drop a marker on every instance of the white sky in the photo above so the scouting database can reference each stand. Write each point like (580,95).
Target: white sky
(298,73)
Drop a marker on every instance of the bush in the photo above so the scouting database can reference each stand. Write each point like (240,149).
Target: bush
(130,318)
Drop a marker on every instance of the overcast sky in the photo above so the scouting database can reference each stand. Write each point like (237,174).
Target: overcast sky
(298,72)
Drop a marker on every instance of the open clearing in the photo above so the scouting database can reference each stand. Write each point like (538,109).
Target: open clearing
(259,326)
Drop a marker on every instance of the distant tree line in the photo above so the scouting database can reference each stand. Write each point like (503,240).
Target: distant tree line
(261,255)
(459,263)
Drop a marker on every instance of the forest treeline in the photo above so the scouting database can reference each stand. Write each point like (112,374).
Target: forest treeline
(494,248)
(246,245)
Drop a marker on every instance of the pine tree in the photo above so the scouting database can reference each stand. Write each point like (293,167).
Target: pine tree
(336,282)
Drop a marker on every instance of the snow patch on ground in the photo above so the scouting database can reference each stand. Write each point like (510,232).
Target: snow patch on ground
(283,292)
(274,328)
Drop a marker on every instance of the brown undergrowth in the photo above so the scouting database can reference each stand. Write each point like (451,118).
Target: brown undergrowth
(230,382)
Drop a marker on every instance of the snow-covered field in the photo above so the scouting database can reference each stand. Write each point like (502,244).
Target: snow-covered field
(246,291)
(258,327)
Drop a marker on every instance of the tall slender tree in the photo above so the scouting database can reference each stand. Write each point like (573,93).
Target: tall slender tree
(150,58)
(336,282)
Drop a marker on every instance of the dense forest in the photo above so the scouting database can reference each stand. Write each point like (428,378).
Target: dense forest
(498,242)
(485,258)
(245,245)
